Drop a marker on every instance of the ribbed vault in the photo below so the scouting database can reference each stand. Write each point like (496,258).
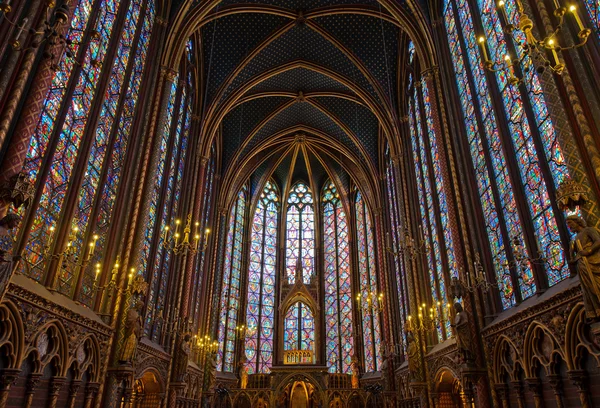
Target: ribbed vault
(299,84)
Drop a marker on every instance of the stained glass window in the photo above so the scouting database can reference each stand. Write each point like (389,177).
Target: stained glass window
(260,312)
(299,328)
(532,141)
(394,238)
(230,291)
(428,230)
(300,229)
(338,293)
(593,8)
(371,325)
(66,117)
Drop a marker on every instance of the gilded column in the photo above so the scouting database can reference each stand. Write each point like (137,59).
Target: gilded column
(73,389)
(580,380)
(32,382)
(55,386)
(32,107)
(91,390)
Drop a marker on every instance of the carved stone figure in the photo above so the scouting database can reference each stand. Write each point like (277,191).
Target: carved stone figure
(133,331)
(212,369)
(355,366)
(463,333)
(182,358)
(243,373)
(585,253)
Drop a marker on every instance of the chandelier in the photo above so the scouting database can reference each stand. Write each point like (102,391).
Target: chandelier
(520,28)
(370,301)
(182,247)
(428,319)
(407,245)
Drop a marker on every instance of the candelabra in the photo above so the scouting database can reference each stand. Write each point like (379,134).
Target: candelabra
(520,28)
(370,301)
(407,244)
(428,319)
(185,245)
(458,287)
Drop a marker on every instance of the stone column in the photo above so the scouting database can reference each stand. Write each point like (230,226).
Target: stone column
(73,389)
(535,386)
(32,382)
(7,377)
(520,393)
(91,390)
(580,380)
(556,384)
(502,393)
(55,386)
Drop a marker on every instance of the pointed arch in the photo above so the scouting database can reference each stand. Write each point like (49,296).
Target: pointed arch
(300,230)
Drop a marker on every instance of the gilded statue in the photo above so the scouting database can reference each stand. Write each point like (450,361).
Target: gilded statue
(7,262)
(133,332)
(182,358)
(463,333)
(243,372)
(585,254)
(355,367)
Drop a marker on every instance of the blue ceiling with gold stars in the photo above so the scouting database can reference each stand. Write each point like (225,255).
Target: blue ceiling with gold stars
(327,69)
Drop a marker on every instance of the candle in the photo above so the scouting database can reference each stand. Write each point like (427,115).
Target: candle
(502,10)
(16,43)
(50,235)
(388,241)
(483,46)
(97,272)
(557,4)
(131,276)
(552,46)
(573,9)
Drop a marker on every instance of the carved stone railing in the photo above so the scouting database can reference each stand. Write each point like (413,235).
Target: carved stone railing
(298,357)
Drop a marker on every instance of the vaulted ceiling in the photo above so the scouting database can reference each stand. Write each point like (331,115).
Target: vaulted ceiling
(313,82)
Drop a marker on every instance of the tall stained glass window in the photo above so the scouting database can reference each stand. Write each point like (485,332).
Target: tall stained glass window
(593,8)
(530,139)
(230,291)
(156,258)
(300,230)
(434,214)
(371,325)
(260,312)
(394,237)
(67,119)
(299,328)
(338,294)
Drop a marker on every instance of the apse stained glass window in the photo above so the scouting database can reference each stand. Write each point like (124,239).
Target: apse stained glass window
(260,312)
(371,325)
(299,328)
(394,238)
(300,229)
(532,140)
(109,132)
(338,294)
(230,291)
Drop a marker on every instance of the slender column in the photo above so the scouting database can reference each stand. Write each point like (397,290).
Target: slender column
(556,384)
(7,377)
(502,393)
(580,380)
(73,389)
(56,385)
(91,390)
(519,391)
(32,382)
(32,108)
(535,386)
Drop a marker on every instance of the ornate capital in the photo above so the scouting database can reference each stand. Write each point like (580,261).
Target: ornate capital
(535,386)
(161,21)
(570,195)
(196,118)
(396,159)
(430,72)
(32,382)
(168,73)
(7,378)
(204,161)
(91,389)
(18,190)
(56,384)
(579,378)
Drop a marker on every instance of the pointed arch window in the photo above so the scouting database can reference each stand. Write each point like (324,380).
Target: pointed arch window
(397,228)
(300,230)
(66,117)
(433,208)
(260,314)
(299,328)
(338,293)
(230,290)
(529,136)
(371,325)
